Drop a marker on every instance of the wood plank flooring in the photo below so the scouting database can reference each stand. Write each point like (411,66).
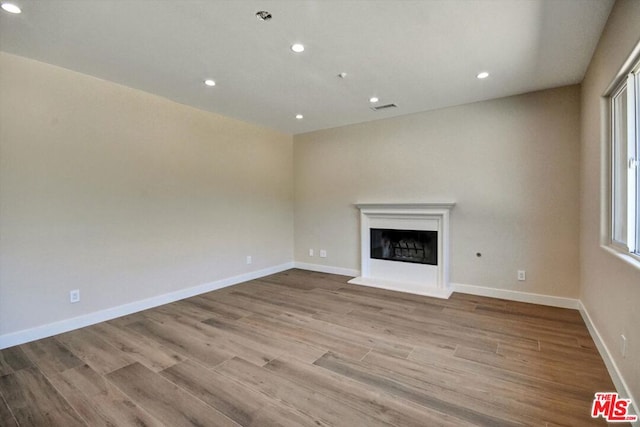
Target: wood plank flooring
(302,348)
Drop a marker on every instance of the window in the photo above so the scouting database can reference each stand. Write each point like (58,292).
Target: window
(625,173)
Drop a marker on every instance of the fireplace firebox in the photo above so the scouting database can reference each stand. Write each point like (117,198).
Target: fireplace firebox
(415,246)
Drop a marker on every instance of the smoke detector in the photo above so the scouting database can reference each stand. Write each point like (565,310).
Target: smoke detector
(263,15)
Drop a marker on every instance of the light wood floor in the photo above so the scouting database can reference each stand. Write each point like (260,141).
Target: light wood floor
(301,348)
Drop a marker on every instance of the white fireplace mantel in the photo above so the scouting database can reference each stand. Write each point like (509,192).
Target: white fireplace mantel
(419,279)
(410,207)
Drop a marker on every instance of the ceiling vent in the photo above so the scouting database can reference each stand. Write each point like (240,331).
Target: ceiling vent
(384,107)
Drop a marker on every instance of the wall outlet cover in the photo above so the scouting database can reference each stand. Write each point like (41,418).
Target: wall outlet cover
(74,296)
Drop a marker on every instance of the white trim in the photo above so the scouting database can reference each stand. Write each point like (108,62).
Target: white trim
(405,206)
(66,325)
(507,294)
(615,374)
(327,269)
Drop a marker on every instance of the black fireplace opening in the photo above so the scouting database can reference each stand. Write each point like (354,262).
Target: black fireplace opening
(415,246)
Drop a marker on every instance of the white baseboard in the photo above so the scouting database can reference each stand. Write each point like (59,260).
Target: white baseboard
(516,296)
(327,269)
(618,381)
(66,325)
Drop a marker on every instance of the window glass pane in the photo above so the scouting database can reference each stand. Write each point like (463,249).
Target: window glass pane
(619,128)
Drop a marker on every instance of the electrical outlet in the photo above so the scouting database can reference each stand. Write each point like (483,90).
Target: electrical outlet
(310,252)
(623,345)
(323,253)
(74,296)
(522,275)
(249,259)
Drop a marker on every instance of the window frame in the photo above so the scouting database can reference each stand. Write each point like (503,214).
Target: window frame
(628,82)
(613,172)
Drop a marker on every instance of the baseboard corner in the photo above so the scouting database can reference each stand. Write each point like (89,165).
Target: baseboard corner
(616,376)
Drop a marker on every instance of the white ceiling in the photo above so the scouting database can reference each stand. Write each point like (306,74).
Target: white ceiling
(418,54)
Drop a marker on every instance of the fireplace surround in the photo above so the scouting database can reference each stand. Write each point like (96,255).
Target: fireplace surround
(405,247)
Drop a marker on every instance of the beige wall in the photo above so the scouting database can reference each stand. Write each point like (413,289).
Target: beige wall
(610,287)
(126,196)
(510,164)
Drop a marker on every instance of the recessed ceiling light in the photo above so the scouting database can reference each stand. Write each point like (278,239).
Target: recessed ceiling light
(263,15)
(483,75)
(297,47)
(11,8)
(299,116)
(210,82)
(373,99)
